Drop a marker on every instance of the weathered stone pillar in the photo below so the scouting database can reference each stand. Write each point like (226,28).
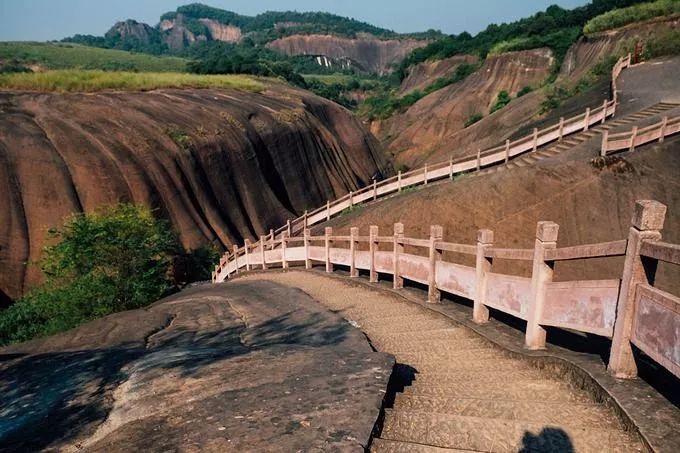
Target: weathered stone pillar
(246,249)
(308,263)
(535,140)
(541,275)
(373,247)
(647,223)
(561,128)
(436,234)
(633,136)
(236,258)
(479,158)
(263,241)
(353,235)
(328,232)
(664,124)
(480,313)
(586,126)
(289,228)
(397,282)
(351,199)
(284,246)
(507,151)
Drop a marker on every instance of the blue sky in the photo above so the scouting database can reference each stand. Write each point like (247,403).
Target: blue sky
(42,20)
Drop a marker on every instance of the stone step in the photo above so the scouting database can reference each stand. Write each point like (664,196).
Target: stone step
(392,446)
(477,365)
(582,415)
(454,377)
(494,435)
(447,334)
(451,354)
(525,390)
(406,345)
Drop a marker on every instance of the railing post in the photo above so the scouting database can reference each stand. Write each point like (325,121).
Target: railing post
(647,223)
(633,136)
(284,246)
(308,262)
(604,111)
(263,240)
(507,151)
(535,143)
(375,190)
(289,228)
(605,138)
(236,259)
(328,210)
(373,247)
(664,123)
(436,234)
(480,313)
(425,175)
(328,232)
(450,167)
(351,199)
(399,181)
(353,235)
(271,234)
(397,282)
(561,128)
(479,158)
(246,248)
(541,275)
(587,118)
(304,221)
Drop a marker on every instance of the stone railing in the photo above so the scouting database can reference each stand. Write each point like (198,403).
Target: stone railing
(627,141)
(628,310)
(495,156)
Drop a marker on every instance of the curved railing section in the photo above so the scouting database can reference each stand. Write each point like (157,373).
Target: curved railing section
(629,310)
(429,173)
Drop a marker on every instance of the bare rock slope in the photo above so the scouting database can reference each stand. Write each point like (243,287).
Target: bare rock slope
(221,165)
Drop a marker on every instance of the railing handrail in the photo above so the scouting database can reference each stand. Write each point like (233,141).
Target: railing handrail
(637,136)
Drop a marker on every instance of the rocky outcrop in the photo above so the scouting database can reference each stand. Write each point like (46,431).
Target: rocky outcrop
(424,74)
(131,30)
(366,52)
(221,32)
(221,165)
(177,35)
(434,127)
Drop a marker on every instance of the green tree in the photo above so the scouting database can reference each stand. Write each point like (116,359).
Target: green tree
(117,258)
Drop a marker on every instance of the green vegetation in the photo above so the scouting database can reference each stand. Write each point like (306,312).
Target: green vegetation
(385,104)
(74,56)
(556,28)
(181,138)
(502,100)
(472,119)
(88,81)
(524,91)
(636,13)
(115,259)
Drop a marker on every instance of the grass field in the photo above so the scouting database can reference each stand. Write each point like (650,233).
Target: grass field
(74,80)
(329,79)
(623,16)
(75,56)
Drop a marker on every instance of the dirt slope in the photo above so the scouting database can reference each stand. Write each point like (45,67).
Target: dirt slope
(424,74)
(221,165)
(366,53)
(433,128)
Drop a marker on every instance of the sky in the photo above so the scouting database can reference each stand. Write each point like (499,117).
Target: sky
(42,20)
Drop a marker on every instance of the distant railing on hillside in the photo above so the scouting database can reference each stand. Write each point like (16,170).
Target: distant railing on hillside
(627,310)
(628,141)
(429,173)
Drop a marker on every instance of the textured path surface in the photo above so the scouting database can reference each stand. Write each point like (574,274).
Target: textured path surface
(462,392)
(240,367)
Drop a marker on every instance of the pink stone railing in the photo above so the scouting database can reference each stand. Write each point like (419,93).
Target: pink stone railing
(629,310)
(628,141)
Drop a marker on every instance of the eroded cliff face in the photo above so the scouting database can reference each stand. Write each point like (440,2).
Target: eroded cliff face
(433,129)
(424,74)
(366,52)
(221,165)
(177,36)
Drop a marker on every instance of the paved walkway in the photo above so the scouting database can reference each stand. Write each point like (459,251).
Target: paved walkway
(462,392)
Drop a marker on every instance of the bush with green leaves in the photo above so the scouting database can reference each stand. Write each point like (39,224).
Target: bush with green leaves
(117,258)
(472,119)
(502,100)
(524,91)
(623,16)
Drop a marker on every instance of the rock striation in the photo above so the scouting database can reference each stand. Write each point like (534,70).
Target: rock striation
(221,165)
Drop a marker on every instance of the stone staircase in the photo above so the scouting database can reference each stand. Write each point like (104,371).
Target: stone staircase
(571,141)
(453,390)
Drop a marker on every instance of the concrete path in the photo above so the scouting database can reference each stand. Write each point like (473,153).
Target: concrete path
(461,392)
(247,367)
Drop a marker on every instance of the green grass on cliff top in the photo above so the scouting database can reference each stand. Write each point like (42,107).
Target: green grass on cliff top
(74,56)
(74,80)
